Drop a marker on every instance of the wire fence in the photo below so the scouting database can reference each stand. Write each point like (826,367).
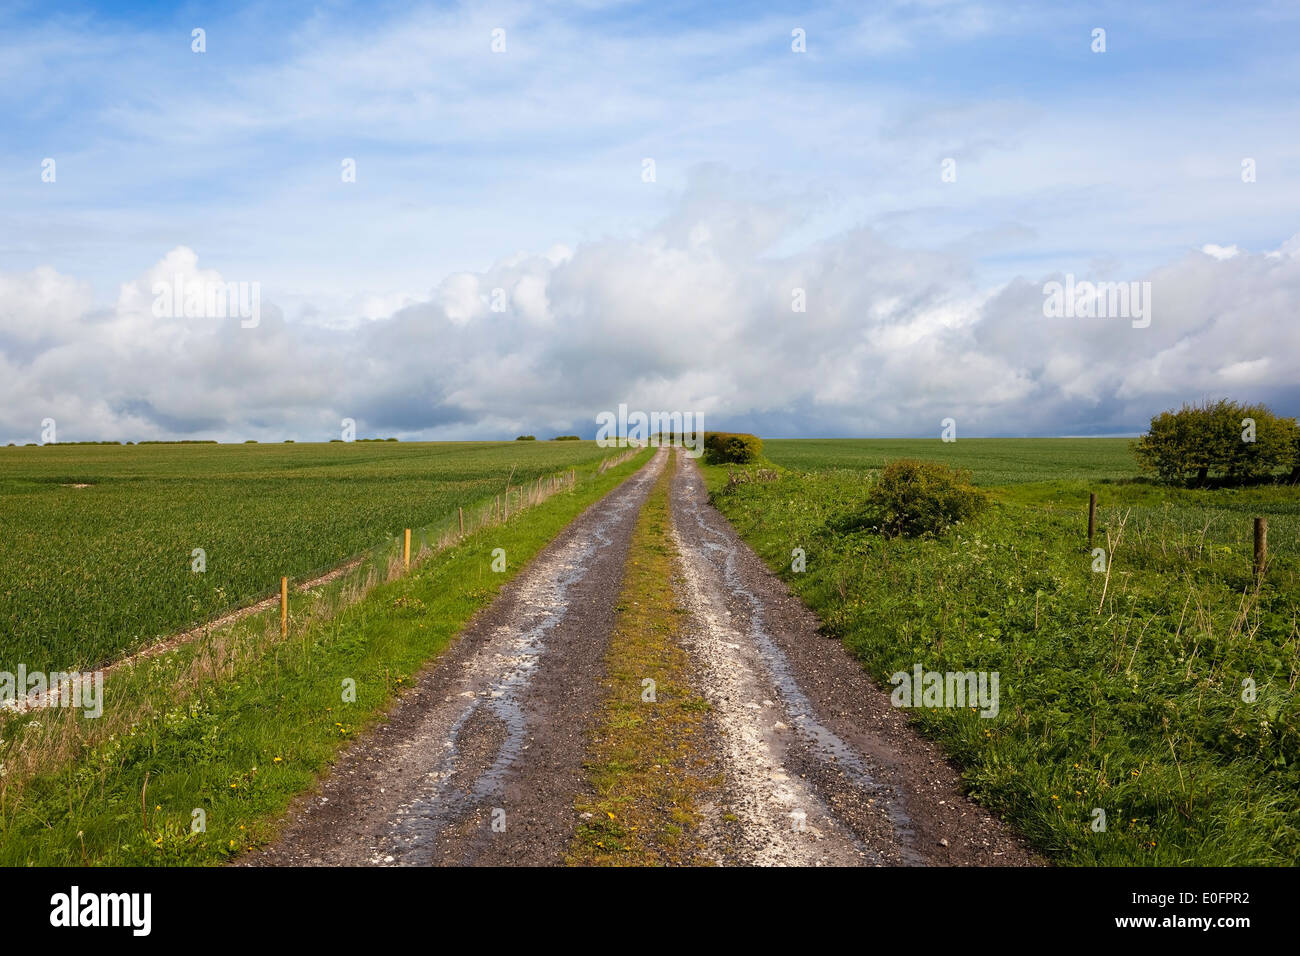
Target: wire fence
(389,558)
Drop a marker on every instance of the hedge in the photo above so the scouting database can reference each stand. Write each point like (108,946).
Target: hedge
(732,447)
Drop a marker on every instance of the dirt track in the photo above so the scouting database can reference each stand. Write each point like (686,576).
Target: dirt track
(819,768)
(500,723)
(823,769)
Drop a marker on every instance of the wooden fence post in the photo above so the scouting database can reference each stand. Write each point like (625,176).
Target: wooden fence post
(1092,516)
(284,606)
(1261,546)
(406,550)
(460,513)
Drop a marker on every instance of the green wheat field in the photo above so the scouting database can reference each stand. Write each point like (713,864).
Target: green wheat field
(90,573)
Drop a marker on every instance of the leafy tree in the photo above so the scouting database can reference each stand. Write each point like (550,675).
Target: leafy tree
(1223,440)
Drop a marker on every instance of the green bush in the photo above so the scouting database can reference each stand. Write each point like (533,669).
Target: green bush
(1209,441)
(525,438)
(920,497)
(732,448)
(566,438)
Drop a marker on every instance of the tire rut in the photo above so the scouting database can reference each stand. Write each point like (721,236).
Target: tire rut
(496,729)
(821,769)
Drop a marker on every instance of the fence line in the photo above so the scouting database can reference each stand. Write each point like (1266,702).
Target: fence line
(391,558)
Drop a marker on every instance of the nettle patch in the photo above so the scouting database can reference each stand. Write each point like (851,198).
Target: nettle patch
(913,498)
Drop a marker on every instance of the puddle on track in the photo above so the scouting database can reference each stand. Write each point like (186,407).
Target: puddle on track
(497,680)
(715,557)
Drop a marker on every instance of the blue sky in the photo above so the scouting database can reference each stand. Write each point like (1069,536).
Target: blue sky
(525,166)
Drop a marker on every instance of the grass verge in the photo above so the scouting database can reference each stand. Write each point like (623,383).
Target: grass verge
(1155,686)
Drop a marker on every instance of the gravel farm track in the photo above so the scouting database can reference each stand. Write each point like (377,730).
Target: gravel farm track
(481,762)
